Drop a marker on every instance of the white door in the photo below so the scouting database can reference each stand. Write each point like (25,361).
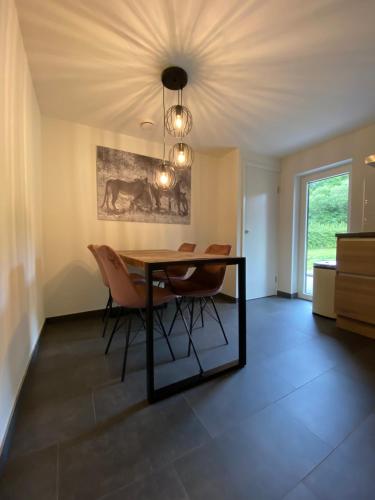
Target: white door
(260,228)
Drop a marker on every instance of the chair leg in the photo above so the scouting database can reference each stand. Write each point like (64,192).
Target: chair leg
(191,343)
(105,310)
(165,334)
(174,319)
(126,348)
(114,329)
(201,306)
(218,318)
(107,314)
(107,305)
(179,310)
(191,323)
(141,317)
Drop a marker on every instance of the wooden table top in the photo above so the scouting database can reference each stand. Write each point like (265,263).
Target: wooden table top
(139,258)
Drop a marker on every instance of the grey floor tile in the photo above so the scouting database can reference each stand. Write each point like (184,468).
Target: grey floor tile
(361,366)
(348,473)
(162,485)
(51,422)
(97,464)
(31,477)
(125,447)
(115,398)
(300,492)
(303,363)
(226,401)
(271,336)
(263,458)
(331,405)
(113,443)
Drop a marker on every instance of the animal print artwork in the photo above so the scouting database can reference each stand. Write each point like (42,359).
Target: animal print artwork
(126,192)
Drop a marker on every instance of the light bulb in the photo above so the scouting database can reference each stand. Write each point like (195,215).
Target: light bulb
(178,121)
(181,156)
(164,178)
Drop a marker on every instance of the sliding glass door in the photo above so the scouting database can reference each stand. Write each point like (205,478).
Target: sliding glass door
(324,212)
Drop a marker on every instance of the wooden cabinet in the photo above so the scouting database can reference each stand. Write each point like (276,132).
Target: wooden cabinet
(355,283)
(356,256)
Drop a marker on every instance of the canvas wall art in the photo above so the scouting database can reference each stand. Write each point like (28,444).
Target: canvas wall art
(126,192)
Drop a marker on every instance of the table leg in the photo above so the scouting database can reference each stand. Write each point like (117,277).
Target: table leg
(176,387)
(149,335)
(242,312)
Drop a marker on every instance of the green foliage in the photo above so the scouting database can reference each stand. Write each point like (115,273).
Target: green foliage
(316,254)
(323,235)
(328,200)
(328,210)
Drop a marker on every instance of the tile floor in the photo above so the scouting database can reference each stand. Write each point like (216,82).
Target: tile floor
(297,423)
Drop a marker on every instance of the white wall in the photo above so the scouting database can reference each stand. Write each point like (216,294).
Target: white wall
(355,146)
(21,310)
(71,280)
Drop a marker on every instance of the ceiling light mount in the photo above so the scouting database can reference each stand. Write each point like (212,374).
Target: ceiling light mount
(146,124)
(370,161)
(174,78)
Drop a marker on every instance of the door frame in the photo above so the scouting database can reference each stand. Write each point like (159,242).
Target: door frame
(318,174)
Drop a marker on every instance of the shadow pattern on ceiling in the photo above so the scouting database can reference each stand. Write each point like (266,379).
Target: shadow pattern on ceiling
(266,75)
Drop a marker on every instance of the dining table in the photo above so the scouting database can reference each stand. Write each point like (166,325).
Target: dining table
(155,260)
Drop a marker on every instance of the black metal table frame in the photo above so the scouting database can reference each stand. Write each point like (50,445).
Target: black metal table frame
(153,394)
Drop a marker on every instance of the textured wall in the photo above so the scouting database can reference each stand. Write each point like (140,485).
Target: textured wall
(356,146)
(71,282)
(21,309)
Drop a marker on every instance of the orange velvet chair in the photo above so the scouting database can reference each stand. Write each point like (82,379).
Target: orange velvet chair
(177,271)
(108,308)
(205,282)
(130,295)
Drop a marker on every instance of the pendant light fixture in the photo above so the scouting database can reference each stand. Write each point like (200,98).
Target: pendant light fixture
(181,155)
(178,120)
(164,176)
(370,161)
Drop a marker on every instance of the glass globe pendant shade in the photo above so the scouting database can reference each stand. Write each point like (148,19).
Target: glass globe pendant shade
(181,155)
(164,177)
(178,121)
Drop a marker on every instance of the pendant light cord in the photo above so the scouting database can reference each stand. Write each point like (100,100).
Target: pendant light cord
(163,127)
(179,99)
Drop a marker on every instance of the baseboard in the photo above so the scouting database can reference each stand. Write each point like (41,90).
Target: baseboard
(287,295)
(227,298)
(83,314)
(5,445)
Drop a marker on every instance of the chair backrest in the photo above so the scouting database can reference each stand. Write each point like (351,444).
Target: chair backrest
(187,247)
(123,290)
(94,250)
(178,271)
(211,276)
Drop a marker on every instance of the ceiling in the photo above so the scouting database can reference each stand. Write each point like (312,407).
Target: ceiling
(271,76)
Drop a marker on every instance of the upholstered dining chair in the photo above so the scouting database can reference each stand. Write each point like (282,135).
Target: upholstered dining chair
(204,283)
(137,278)
(130,296)
(177,271)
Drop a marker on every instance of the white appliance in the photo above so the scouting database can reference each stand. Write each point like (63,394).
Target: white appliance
(324,288)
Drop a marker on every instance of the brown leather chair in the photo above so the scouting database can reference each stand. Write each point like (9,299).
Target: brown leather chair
(176,272)
(205,282)
(108,308)
(130,295)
